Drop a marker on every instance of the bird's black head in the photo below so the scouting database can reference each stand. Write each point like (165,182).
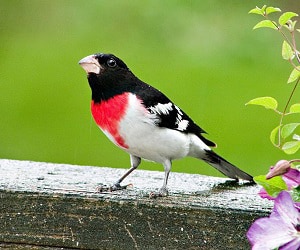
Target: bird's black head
(107,75)
(102,63)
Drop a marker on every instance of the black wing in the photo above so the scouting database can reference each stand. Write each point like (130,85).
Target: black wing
(170,115)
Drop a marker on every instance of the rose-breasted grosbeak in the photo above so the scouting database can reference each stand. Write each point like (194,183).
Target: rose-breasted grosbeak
(144,122)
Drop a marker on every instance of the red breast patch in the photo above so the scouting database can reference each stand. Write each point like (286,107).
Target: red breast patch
(108,114)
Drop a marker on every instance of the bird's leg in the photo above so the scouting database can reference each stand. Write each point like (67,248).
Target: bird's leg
(163,190)
(135,162)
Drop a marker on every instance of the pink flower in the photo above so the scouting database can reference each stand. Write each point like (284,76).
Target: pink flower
(280,229)
(291,177)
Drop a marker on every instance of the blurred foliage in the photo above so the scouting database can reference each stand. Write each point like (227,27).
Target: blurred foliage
(202,54)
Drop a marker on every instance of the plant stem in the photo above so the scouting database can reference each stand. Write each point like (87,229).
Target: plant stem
(294,47)
(284,111)
(295,160)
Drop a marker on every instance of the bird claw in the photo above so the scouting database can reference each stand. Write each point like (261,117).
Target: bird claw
(161,193)
(115,187)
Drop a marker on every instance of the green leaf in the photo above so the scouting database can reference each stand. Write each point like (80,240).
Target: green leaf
(285,17)
(287,51)
(273,186)
(273,135)
(295,74)
(288,129)
(295,108)
(266,24)
(267,102)
(291,147)
(296,137)
(270,10)
(295,192)
(257,10)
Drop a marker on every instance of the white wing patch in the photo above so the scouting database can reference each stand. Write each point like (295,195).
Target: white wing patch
(181,124)
(162,109)
(165,109)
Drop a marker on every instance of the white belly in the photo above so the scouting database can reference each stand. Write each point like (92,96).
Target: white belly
(155,144)
(148,141)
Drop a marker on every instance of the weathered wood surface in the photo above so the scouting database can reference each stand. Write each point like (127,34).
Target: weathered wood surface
(54,206)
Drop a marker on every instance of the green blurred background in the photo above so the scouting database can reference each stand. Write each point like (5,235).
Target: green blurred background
(202,54)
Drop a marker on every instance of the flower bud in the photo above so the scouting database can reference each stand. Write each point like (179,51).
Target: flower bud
(280,168)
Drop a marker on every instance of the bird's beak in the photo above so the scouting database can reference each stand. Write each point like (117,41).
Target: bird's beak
(90,64)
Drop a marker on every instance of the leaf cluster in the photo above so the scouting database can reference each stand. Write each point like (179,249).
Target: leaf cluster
(283,135)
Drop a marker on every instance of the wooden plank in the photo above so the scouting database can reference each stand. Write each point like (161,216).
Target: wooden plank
(56,205)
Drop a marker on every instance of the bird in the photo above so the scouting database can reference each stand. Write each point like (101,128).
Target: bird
(144,122)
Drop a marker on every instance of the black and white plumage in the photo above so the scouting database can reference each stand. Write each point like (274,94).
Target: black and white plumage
(144,122)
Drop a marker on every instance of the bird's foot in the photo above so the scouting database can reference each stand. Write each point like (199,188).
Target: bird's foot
(115,187)
(163,192)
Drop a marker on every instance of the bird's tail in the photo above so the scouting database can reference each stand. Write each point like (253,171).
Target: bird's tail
(224,166)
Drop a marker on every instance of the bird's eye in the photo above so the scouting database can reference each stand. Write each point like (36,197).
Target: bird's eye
(111,63)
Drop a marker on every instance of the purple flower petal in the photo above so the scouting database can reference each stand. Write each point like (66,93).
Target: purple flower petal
(279,228)
(285,208)
(292,178)
(292,245)
(268,233)
(263,194)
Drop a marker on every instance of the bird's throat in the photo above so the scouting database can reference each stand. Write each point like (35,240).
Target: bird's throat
(108,114)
